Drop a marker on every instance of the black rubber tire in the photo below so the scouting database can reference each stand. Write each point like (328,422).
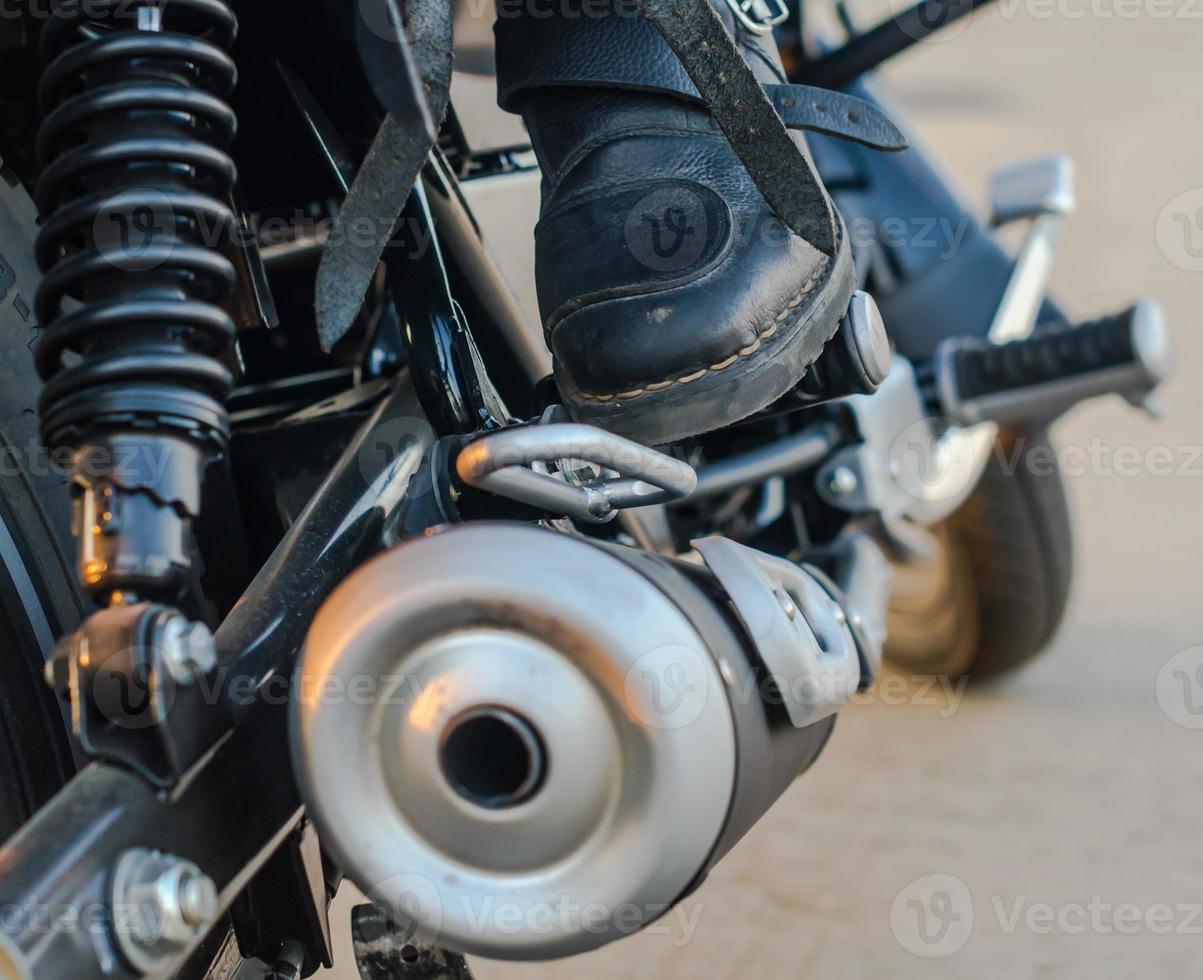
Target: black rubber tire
(38,599)
(993,594)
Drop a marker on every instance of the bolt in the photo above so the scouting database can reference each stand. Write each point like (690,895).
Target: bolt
(197,899)
(843,481)
(840,617)
(188,650)
(161,904)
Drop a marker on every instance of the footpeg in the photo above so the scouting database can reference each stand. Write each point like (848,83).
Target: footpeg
(856,361)
(1043,375)
(560,725)
(578,471)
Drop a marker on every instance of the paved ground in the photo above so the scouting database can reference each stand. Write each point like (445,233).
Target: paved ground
(1064,802)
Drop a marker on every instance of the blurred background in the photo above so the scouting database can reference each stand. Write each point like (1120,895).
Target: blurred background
(1045,825)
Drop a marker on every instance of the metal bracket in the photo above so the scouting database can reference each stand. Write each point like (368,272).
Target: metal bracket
(582,472)
(760,16)
(801,632)
(142,688)
(904,467)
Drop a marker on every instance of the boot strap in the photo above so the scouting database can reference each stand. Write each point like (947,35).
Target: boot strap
(622,50)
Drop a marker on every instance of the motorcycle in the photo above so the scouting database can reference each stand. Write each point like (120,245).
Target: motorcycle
(324,583)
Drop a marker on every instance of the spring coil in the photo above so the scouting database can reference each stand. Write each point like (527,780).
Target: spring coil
(136,175)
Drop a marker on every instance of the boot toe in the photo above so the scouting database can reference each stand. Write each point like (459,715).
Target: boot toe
(674,312)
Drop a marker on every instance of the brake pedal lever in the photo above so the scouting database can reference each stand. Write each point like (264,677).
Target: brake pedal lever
(1040,190)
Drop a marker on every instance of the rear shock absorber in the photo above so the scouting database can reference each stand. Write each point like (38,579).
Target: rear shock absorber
(133,194)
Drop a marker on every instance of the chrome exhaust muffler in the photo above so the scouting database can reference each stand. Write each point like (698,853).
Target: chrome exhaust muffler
(528,744)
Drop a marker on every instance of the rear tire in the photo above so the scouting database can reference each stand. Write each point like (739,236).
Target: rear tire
(38,598)
(994,590)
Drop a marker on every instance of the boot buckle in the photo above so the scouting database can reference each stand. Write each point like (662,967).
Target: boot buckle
(760,16)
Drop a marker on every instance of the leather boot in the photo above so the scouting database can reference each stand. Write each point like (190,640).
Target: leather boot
(674,299)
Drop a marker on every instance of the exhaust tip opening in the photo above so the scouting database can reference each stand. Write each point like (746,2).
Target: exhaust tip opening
(493,758)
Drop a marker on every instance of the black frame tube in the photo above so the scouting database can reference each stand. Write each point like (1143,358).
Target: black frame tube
(866,51)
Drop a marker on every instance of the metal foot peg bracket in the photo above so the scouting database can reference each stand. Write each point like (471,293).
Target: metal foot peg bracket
(579,471)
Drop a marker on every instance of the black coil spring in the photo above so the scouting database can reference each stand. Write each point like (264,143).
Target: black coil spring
(134,189)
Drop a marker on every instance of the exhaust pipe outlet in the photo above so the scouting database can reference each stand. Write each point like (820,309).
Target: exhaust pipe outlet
(528,744)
